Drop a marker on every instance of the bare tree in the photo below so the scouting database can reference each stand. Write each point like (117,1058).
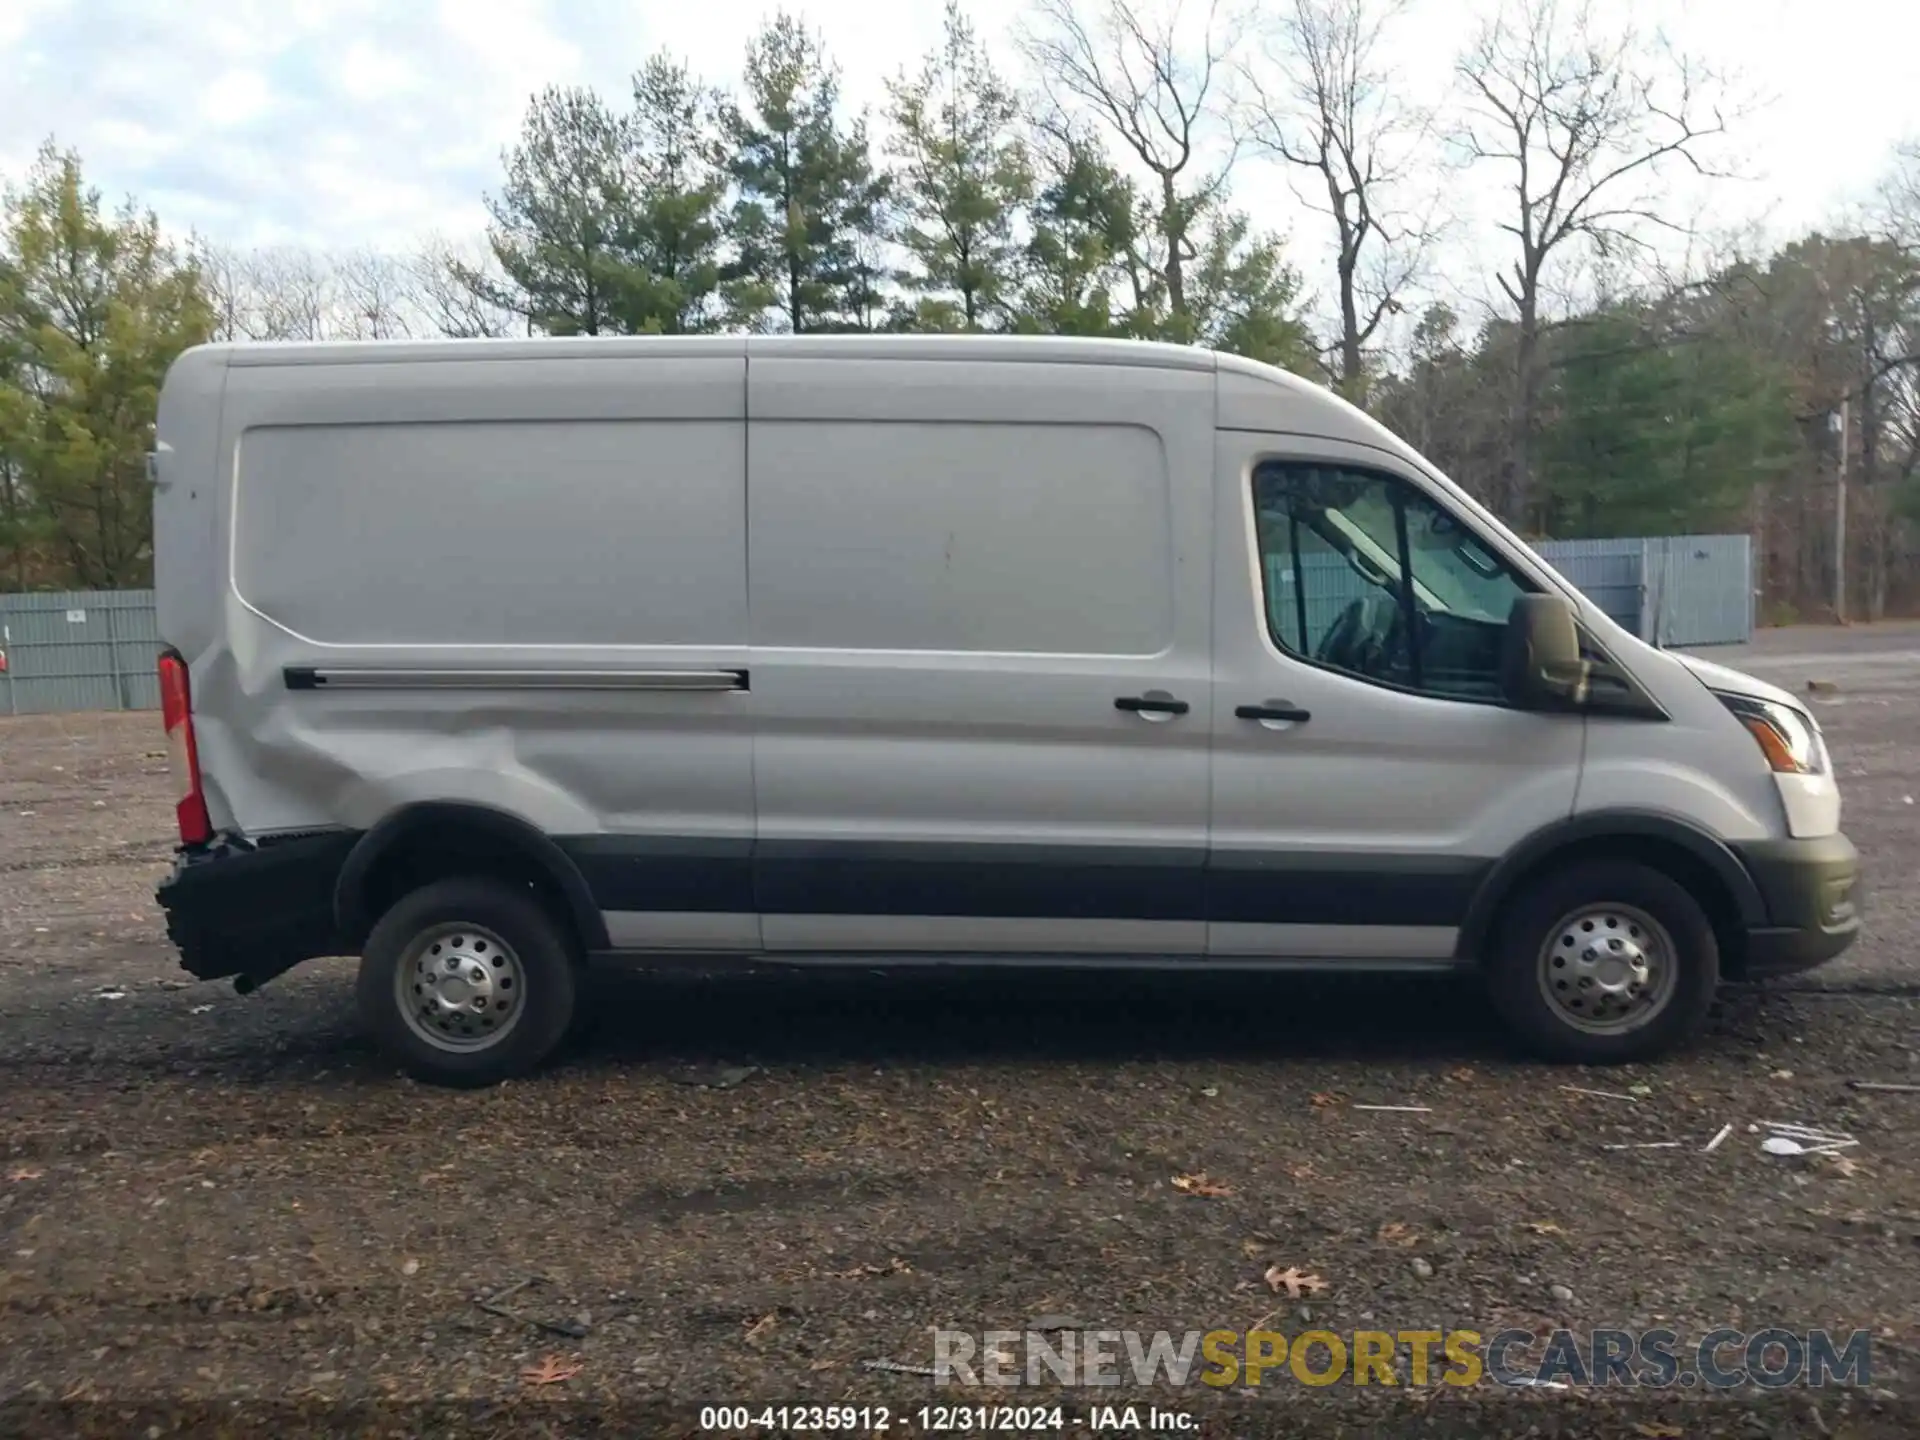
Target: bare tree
(1584,123)
(447,300)
(1323,103)
(373,297)
(223,279)
(1899,200)
(296,294)
(1157,84)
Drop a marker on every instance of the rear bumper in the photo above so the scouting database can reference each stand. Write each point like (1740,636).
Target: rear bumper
(1811,892)
(254,913)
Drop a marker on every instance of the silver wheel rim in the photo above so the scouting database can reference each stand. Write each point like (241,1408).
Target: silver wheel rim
(460,987)
(1607,969)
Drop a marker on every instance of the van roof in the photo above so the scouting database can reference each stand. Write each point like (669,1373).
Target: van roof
(1044,348)
(1330,413)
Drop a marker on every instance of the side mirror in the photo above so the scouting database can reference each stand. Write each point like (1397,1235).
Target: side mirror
(1540,665)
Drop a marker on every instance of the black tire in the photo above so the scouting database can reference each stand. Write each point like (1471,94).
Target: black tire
(541,953)
(1532,920)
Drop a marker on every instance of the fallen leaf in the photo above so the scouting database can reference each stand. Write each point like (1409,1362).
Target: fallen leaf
(1302,1171)
(895,1266)
(1293,1282)
(1659,1432)
(1844,1165)
(24,1173)
(760,1327)
(1464,1072)
(1544,1227)
(551,1371)
(1251,1248)
(1394,1233)
(1322,1099)
(1200,1185)
(823,1365)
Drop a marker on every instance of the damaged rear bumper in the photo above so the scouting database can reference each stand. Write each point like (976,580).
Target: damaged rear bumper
(254,912)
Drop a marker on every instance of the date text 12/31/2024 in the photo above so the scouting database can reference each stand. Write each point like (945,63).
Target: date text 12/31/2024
(941,1419)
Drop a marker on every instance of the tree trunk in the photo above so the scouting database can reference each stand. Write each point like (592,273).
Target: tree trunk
(12,493)
(1520,496)
(1174,228)
(1350,375)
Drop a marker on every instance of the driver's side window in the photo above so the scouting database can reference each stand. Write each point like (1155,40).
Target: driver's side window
(1365,574)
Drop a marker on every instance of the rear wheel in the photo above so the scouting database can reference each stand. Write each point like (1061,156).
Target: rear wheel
(467,982)
(1603,962)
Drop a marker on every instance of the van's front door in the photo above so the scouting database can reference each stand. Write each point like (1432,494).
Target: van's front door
(1367,772)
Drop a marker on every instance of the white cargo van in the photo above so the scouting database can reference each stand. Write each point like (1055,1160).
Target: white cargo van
(491,658)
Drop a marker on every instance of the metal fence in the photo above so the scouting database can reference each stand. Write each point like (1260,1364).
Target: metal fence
(78,650)
(1673,589)
(1670,589)
(1700,590)
(1611,573)
(95,649)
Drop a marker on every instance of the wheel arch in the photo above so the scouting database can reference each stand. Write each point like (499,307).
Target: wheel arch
(1698,860)
(433,840)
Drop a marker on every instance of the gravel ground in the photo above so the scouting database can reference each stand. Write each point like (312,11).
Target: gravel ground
(226,1214)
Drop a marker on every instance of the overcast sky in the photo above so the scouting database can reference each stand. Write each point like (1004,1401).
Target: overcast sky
(373,122)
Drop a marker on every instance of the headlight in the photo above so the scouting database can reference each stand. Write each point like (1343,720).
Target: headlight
(1789,738)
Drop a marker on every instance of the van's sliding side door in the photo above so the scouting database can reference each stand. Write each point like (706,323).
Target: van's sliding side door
(981,664)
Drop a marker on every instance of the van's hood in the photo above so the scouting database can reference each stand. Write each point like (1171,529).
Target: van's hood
(1734,682)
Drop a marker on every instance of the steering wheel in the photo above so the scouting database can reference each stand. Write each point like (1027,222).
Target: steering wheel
(1343,635)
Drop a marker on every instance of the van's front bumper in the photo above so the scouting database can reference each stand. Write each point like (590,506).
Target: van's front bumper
(1811,892)
(254,912)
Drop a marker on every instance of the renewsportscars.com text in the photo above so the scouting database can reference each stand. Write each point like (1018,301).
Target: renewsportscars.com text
(1720,1359)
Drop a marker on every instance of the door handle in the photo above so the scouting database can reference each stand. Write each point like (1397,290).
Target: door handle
(1152,703)
(1277,711)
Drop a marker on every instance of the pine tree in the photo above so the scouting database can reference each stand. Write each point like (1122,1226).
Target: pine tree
(1243,298)
(559,222)
(673,230)
(1657,432)
(1083,229)
(806,192)
(963,177)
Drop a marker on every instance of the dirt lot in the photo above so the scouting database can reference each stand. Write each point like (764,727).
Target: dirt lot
(744,1189)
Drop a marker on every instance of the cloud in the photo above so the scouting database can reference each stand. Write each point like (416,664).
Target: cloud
(332,122)
(351,123)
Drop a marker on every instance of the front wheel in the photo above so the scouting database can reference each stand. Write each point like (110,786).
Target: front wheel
(1603,962)
(467,982)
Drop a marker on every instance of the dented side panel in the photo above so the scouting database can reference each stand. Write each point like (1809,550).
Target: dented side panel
(516,517)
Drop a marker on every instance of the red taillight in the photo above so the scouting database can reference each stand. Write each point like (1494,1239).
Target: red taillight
(176,713)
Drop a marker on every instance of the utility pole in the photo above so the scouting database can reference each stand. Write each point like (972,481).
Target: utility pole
(1840,522)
